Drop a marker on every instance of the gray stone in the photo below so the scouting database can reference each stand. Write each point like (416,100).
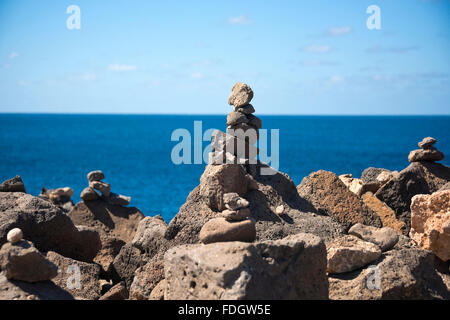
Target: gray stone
(234,202)
(13,185)
(248,109)
(241,95)
(95,175)
(236,117)
(22,261)
(426,143)
(89,194)
(385,237)
(103,187)
(291,268)
(221,230)
(349,253)
(119,200)
(404,274)
(430,154)
(236,215)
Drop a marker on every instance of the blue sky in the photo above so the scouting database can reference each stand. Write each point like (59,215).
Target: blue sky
(300,57)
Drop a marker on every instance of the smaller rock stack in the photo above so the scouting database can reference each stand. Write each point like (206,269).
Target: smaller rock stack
(60,197)
(237,145)
(233,224)
(95,183)
(427,151)
(13,185)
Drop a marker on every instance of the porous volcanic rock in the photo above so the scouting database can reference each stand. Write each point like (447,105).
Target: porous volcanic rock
(349,253)
(386,214)
(117,292)
(430,222)
(241,95)
(417,178)
(404,274)
(44,224)
(384,237)
(291,268)
(330,196)
(69,269)
(20,290)
(115,221)
(13,185)
(220,230)
(22,261)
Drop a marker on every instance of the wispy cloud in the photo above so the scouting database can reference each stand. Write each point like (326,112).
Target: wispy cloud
(121,67)
(398,50)
(239,20)
(338,31)
(197,75)
(317,49)
(318,63)
(13,55)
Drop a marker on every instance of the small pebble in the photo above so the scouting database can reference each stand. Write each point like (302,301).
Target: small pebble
(14,235)
(279,210)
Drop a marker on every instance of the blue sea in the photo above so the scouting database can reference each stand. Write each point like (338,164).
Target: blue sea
(134,151)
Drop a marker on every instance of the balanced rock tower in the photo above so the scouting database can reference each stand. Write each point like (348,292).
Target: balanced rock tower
(237,145)
(427,151)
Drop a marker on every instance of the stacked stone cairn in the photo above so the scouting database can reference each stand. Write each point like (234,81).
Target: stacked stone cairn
(427,151)
(95,183)
(237,145)
(60,197)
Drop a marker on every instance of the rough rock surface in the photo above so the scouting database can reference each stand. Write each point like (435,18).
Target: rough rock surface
(89,194)
(430,222)
(145,280)
(353,184)
(42,223)
(218,180)
(431,154)
(417,178)
(158,291)
(220,230)
(386,214)
(291,268)
(407,273)
(117,292)
(241,95)
(385,237)
(115,221)
(22,261)
(89,285)
(110,249)
(13,185)
(330,196)
(20,290)
(349,253)
(370,179)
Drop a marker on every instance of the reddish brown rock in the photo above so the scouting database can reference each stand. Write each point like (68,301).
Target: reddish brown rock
(330,196)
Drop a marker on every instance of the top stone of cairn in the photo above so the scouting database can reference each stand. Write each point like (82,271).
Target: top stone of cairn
(241,95)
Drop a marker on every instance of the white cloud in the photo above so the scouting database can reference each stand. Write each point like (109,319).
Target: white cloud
(239,20)
(197,75)
(88,76)
(339,31)
(317,49)
(13,55)
(121,67)
(319,63)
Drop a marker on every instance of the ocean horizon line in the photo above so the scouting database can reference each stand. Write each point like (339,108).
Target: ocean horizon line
(220,114)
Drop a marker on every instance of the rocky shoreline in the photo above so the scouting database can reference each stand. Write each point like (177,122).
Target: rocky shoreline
(239,235)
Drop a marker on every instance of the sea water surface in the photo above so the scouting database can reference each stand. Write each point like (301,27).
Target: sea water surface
(134,151)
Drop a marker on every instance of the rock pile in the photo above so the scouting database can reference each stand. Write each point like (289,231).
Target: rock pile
(427,151)
(237,144)
(95,183)
(60,197)
(13,185)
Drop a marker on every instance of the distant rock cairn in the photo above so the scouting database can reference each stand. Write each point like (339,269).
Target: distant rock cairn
(95,183)
(427,151)
(237,145)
